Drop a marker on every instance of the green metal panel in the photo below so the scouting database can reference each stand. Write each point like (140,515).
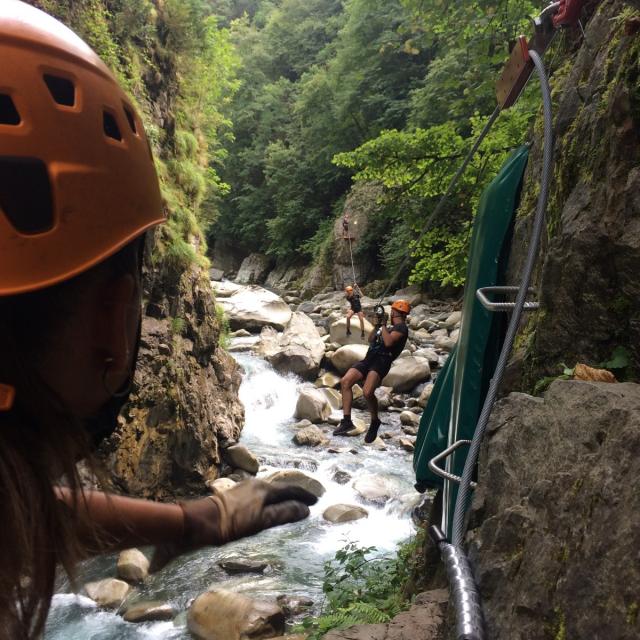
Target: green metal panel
(461,386)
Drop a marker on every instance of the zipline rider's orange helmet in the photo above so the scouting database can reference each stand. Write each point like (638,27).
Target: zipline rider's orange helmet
(401,306)
(77,179)
(349,289)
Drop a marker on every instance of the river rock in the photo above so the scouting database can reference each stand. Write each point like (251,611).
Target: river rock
(406,373)
(359,427)
(254,269)
(425,394)
(328,379)
(240,457)
(238,565)
(298,478)
(153,611)
(410,430)
(293,606)
(407,444)
(373,488)
(241,333)
(452,320)
(309,437)
(409,418)
(340,476)
(338,513)
(383,394)
(224,615)
(333,397)
(220,485)
(132,566)
(439,333)
(345,357)
(422,336)
(299,349)
(444,343)
(430,354)
(338,331)
(253,307)
(109,593)
(306,307)
(312,405)
(302,424)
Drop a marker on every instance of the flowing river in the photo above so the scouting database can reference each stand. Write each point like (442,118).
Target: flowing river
(295,553)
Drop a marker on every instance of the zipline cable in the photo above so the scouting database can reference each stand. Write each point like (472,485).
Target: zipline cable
(453,182)
(353,269)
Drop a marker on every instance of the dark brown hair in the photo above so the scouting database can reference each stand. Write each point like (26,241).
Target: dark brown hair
(40,444)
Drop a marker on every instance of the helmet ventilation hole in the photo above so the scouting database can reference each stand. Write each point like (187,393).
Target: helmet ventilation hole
(110,126)
(62,90)
(130,119)
(8,112)
(25,194)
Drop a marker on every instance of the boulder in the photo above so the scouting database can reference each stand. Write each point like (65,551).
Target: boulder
(298,350)
(340,476)
(253,307)
(153,611)
(452,320)
(410,430)
(430,354)
(309,437)
(422,336)
(338,331)
(444,343)
(132,566)
(220,485)
(298,478)
(383,394)
(409,418)
(338,513)
(333,397)
(254,269)
(328,379)
(425,394)
(412,294)
(240,457)
(224,615)
(406,373)
(109,593)
(312,405)
(306,307)
(293,606)
(302,423)
(345,357)
(236,566)
(407,443)
(359,427)
(216,274)
(375,489)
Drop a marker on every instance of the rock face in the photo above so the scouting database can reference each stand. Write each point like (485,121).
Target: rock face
(348,355)
(312,405)
(406,373)
(338,331)
(132,566)
(185,396)
(560,531)
(109,593)
(254,269)
(224,615)
(253,307)
(298,350)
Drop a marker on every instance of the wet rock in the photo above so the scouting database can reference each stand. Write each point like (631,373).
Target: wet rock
(132,566)
(408,444)
(425,394)
(253,307)
(333,420)
(309,437)
(220,485)
(224,615)
(338,331)
(238,565)
(254,269)
(359,426)
(109,593)
(339,513)
(333,397)
(406,373)
(312,405)
(293,606)
(298,478)
(240,457)
(153,611)
(345,357)
(241,333)
(340,476)
(302,424)
(328,379)
(409,418)
(375,489)
(383,394)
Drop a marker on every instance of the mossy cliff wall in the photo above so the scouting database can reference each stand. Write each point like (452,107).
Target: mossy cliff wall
(184,401)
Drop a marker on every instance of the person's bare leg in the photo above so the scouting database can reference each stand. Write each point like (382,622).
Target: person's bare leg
(349,314)
(348,380)
(361,317)
(369,390)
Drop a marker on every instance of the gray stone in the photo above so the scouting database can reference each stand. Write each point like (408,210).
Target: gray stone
(239,456)
(216,274)
(333,397)
(425,394)
(309,437)
(409,418)
(341,477)
(253,307)
(293,606)
(338,331)
(339,513)
(236,566)
(406,373)
(254,269)
(453,319)
(298,478)
(373,488)
(408,444)
(445,343)
(312,405)
(347,356)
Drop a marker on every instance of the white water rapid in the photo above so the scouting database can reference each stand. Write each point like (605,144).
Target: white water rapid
(296,553)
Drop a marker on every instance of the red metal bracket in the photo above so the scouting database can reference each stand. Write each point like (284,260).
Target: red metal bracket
(568,13)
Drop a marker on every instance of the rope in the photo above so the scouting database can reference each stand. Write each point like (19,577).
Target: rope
(445,197)
(353,269)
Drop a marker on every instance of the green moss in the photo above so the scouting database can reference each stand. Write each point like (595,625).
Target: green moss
(561,625)
(632,614)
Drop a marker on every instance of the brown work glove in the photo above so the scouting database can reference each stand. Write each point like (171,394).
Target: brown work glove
(244,510)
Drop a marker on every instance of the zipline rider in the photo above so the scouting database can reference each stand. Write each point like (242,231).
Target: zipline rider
(386,345)
(353,296)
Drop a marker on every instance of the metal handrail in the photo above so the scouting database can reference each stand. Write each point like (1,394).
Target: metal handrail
(439,471)
(503,306)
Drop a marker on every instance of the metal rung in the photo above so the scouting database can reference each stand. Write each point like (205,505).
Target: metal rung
(481,294)
(434,468)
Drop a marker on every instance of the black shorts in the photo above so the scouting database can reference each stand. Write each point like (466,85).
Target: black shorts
(356,307)
(378,363)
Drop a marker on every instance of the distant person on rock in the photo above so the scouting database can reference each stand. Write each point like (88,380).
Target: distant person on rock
(78,191)
(386,345)
(353,295)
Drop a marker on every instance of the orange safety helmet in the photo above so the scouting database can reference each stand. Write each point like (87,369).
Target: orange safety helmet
(402,306)
(349,289)
(77,179)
